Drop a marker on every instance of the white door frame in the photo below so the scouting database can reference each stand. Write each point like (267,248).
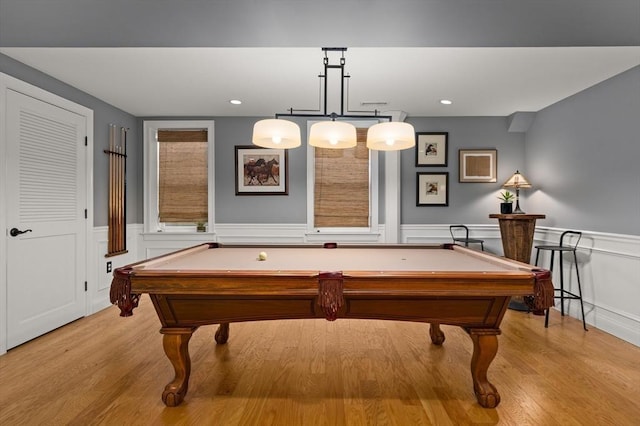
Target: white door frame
(10,83)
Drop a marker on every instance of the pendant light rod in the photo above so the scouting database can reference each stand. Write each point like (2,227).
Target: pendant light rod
(325,96)
(332,115)
(328,66)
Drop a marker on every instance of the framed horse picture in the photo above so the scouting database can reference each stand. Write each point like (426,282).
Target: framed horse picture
(432,189)
(431,149)
(261,171)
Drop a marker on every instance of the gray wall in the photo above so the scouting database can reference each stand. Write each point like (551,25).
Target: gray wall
(583,155)
(580,154)
(468,202)
(103,115)
(233,131)
(230,208)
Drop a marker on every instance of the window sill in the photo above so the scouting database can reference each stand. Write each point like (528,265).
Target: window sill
(179,236)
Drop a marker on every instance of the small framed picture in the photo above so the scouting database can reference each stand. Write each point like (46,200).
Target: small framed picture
(478,165)
(261,171)
(432,189)
(431,149)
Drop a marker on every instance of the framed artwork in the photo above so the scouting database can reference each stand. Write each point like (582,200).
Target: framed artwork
(432,189)
(478,165)
(261,171)
(431,149)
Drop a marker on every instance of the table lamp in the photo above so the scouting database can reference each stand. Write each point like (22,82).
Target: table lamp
(517,181)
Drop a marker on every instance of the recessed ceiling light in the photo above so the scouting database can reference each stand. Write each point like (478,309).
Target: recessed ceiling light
(445,102)
(235,101)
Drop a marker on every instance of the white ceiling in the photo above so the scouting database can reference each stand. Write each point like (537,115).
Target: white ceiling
(480,81)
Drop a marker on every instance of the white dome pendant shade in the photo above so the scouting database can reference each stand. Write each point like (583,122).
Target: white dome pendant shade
(333,134)
(391,136)
(276,133)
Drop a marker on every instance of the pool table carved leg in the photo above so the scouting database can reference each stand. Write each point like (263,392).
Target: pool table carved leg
(222,335)
(485,347)
(437,336)
(176,346)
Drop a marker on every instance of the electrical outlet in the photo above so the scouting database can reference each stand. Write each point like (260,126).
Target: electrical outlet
(108,267)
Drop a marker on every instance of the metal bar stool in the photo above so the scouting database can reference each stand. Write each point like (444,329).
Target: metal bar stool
(564,294)
(455,231)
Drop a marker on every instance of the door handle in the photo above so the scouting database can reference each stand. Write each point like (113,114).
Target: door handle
(14,232)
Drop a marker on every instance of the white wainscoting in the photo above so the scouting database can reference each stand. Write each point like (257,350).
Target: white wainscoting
(437,234)
(99,285)
(267,233)
(609,266)
(159,243)
(609,263)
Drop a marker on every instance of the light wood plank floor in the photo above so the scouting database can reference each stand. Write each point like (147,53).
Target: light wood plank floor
(107,370)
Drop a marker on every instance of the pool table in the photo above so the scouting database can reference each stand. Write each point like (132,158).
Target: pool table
(217,283)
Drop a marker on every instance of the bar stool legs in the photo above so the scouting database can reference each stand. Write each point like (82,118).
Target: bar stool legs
(563,294)
(575,261)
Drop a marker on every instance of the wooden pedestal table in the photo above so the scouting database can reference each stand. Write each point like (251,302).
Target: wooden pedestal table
(517,232)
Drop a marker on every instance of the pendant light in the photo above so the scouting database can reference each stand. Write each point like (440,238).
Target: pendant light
(391,136)
(335,133)
(275,133)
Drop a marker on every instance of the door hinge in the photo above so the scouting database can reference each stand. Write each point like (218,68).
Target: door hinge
(86,141)
(85,286)
(85,214)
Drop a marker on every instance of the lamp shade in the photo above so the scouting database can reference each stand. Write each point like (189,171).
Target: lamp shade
(275,133)
(391,136)
(333,134)
(517,181)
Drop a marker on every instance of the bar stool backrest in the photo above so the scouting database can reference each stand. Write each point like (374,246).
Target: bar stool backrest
(455,231)
(573,238)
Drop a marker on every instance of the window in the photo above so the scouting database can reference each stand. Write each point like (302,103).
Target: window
(178,175)
(182,176)
(342,188)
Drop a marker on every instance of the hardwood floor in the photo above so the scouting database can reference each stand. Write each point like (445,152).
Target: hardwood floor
(107,370)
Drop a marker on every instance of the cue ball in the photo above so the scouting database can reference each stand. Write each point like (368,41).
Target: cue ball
(262,255)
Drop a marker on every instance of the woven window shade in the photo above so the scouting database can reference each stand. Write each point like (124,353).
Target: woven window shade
(182,135)
(341,192)
(182,177)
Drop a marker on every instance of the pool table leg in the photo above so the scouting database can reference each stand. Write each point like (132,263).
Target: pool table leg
(437,336)
(485,347)
(176,346)
(222,335)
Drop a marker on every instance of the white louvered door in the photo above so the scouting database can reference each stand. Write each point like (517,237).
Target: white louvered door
(46,193)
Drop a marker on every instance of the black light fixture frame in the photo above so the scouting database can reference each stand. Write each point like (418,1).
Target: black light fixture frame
(333,115)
